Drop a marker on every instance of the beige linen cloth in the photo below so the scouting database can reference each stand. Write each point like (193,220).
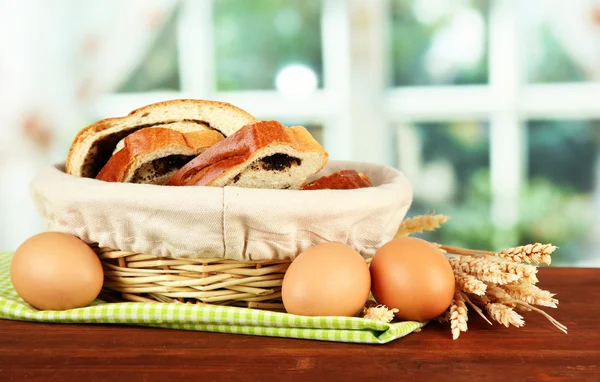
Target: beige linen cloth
(231,223)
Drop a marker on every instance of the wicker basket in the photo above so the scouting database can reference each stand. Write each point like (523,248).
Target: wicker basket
(146,278)
(224,245)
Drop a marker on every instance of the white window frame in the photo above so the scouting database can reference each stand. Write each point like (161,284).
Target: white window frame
(358,113)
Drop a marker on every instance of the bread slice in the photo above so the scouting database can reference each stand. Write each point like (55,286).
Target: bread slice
(94,145)
(182,127)
(265,154)
(153,155)
(341,180)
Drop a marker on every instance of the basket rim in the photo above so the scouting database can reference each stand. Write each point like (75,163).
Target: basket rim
(224,222)
(58,169)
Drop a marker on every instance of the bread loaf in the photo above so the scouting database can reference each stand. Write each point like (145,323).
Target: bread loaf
(153,155)
(94,145)
(265,154)
(341,180)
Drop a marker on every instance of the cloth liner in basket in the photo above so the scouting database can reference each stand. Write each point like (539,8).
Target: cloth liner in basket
(231,223)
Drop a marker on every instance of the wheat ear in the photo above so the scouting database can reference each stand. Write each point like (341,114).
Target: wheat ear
(469,284)
(530,294)
(500,296)
(532,253)
(379,313)
(483,269)
(420,223)
(504,315)
(526,272)
(458,316)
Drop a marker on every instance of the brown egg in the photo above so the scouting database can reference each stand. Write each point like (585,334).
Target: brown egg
(56,271)
(413,276)
(329,279)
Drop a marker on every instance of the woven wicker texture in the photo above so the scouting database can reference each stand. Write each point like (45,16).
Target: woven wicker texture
(143,278)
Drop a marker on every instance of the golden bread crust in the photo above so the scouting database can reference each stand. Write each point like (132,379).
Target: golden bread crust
(82,135)
(152,139)
(341,180)
(240,147)
(74,165)
(192,102)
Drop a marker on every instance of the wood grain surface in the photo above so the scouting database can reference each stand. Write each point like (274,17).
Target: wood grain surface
(536,352)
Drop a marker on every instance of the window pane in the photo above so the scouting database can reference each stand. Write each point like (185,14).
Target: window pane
(564,43)
(559,204)
(254,40)
(438,42)
(448,167)
(159,68)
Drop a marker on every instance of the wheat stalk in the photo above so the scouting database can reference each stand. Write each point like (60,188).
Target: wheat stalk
(500,300)
(531,253)
(439,246)
(531,294)
(464,251)
(474,307)
(500,296)
(499,282)
(458,316)
(420,223)
(483,269)
(524,306)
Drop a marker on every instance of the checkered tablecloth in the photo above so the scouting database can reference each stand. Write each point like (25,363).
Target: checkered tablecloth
(205,318)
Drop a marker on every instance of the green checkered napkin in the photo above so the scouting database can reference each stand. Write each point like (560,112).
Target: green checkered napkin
(205,318)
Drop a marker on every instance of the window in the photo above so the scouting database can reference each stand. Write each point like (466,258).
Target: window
(439,44)
(490,107)
(559,203)
(159,68)
(562,40)
(254,40)
(448,164)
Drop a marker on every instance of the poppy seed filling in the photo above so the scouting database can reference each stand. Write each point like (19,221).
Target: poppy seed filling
(279,162)
(160,167)
(102,149)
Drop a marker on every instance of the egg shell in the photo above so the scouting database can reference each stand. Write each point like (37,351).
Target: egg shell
(56,271)
(413,276)
(328,279)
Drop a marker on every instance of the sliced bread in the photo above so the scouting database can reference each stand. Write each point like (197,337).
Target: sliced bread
(153,155)
(94,145)
(341,180)
(265,154)
(182,127)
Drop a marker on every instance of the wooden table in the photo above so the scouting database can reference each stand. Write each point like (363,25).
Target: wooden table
(538,351)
